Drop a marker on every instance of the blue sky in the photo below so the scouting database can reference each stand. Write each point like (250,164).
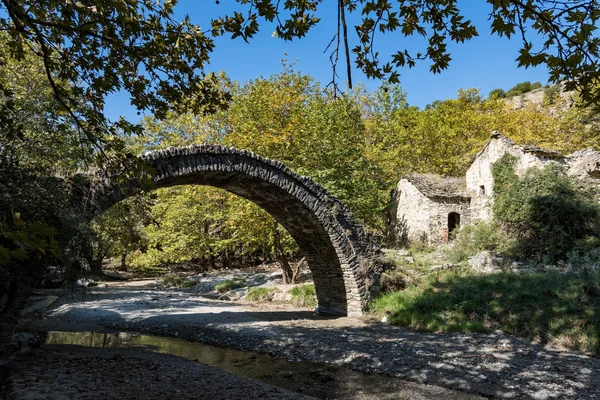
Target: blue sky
(486,62)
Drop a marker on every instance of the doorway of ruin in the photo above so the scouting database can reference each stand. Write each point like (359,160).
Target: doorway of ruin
(453,224)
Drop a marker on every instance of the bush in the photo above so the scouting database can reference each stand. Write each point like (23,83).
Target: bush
(230,284)
(522,88)
(551,94)
(497,94)
(546,214)
(259,294)
(304,296)
(477,237)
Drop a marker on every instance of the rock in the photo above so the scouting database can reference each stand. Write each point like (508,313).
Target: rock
(274,275)
(85,282)
(229,296)
(486,262)
(409,260)
(39,305)
(280,296)
(444,267)
(258,280)
(26,341)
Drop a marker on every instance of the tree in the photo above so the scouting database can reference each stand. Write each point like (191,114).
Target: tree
(547,213)
(561,35)
(35,133)
(499,93)
(91,49)
(445,138)
(119,231)
(136,45)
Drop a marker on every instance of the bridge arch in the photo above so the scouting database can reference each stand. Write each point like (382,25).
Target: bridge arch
(339,253)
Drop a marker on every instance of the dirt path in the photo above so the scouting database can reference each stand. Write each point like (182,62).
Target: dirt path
(490,365)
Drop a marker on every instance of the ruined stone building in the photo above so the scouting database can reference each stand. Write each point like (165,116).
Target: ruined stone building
(428,208)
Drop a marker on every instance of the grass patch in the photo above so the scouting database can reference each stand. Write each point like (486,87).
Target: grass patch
(259,294)
(560,309)
(178,281)
(230,284)
(304,296)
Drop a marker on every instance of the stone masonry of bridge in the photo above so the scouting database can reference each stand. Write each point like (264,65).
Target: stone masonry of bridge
(342,257)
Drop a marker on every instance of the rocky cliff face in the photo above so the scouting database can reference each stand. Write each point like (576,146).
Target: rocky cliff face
(563,100)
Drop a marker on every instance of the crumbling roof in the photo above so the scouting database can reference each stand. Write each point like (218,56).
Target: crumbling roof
(526,148)
(437,187)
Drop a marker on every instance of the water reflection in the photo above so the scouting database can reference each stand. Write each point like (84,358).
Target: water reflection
(313,379)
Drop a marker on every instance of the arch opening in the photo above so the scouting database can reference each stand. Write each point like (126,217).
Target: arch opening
(337,250)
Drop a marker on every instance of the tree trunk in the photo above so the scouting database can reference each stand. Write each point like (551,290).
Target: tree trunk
(213,264)
(225,258)
(96,266)
(287,274)
(124,262)
(296,271)
(203,263)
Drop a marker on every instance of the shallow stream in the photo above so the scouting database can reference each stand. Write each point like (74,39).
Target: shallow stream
(312,379)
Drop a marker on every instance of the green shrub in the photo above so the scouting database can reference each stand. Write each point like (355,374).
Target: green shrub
(259,294)
(230,284)
(497,93)
(477,237)
(522,88)
(178,281)
(544,211)
(551,94)
(304,296)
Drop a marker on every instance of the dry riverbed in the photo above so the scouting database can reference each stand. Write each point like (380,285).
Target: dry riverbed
(488,365)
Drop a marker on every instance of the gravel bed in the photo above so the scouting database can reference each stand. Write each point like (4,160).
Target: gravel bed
(492,365)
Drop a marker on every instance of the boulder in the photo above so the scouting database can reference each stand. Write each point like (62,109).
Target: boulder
(487,262)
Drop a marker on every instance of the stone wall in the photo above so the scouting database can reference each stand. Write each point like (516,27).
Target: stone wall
(417,217)
(411,212)
(340,254)
(420,209)
(480,182)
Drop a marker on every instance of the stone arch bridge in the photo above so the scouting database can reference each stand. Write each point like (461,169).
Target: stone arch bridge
(339,253)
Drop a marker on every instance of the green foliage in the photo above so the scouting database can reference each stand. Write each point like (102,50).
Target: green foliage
(96,50)
(35,134)
(477,237)
(497,93)
(304,296)
(288,116)
(120,229)
(558,309)
(20,241)
(551,94)
(258,294)
(178,281)
(543,210)
(230,284)
(440,140)
(522,88)
(394,280)
(567,35)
